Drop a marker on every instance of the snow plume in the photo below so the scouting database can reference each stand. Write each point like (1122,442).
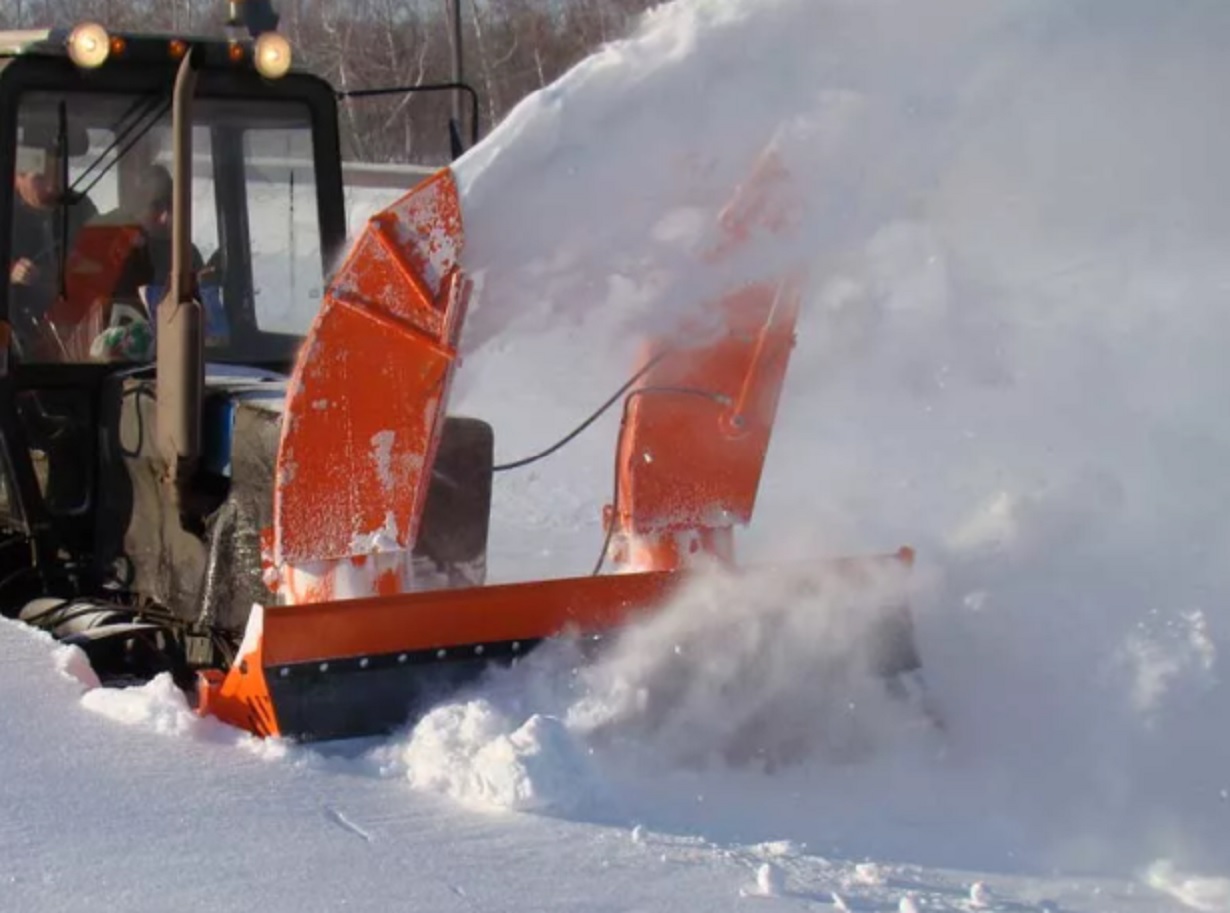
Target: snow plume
(758,669)
(752,672)
(1208,895)
(613,178)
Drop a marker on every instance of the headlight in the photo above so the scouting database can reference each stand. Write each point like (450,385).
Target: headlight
(89,45)
(272,55)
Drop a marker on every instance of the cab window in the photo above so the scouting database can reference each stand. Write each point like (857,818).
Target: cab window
(90,255)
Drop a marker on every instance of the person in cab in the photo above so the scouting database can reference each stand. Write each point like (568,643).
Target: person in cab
(47,219)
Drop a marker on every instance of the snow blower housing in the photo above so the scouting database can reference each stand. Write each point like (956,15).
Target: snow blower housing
(283,515)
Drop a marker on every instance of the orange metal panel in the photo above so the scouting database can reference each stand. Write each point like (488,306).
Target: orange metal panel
(695,438)
(451,618)
(366,397)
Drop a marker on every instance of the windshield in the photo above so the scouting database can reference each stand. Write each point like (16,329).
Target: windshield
(90,252)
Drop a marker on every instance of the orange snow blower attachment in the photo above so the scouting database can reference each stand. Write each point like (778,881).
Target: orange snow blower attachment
(357,645)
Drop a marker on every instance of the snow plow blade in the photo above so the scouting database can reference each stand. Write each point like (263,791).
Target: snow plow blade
(366,667)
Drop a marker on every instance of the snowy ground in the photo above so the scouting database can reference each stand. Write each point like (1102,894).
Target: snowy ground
(1016,217)
(128,801)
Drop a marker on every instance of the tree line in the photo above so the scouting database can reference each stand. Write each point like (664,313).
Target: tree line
(510,48)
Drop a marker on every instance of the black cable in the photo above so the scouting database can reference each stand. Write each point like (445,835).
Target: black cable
(593,417)
(598,413)
(136,393)
(619,441)
(13,540)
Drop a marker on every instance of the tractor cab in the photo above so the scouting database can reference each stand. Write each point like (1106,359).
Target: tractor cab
(87,185)
(86,150)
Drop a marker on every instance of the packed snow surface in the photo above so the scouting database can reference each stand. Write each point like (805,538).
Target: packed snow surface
(1011,356)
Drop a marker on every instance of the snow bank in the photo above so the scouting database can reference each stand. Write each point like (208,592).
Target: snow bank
(157,705)
(72,663)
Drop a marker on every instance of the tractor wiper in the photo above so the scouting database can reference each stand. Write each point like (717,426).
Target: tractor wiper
(62,181)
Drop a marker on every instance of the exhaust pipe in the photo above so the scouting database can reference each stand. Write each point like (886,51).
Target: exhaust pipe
(180,360)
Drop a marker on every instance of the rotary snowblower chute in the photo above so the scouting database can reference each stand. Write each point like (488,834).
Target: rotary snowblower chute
(290,522)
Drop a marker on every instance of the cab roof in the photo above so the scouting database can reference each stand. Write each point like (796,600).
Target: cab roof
(144,47)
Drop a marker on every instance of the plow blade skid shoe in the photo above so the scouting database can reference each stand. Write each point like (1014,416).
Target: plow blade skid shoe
(363,667)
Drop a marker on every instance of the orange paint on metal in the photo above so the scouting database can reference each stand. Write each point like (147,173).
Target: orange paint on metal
(365,402)
(423,314)
(695,438)
(452,618)
(444,619)
(388,583)
(302,588)
(670,550)
(240,696)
